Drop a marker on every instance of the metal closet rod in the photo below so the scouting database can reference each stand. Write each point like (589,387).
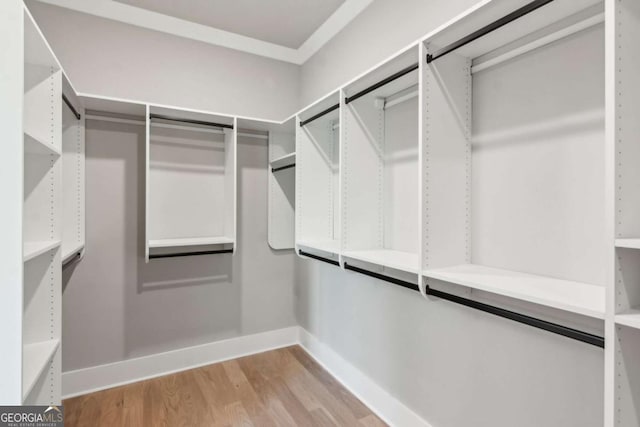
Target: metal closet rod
(292,165)
(381,83)
(194,122)
(74,258)
(320,114)
(497,311)
(519,13)
(319,258)
(182,254)
(71,107)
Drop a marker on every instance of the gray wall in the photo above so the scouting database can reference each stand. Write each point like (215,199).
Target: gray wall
(454,366)
(117,307)
(110,58)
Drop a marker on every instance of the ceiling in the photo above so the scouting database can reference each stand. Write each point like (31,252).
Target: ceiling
(287,30)
(285,22)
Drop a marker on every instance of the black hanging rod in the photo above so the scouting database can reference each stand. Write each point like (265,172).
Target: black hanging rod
(381,83)
(181,254)
(319,258)
(71,107)
(320,114)
(193,122)
(292,165)
(488,28)
(497,311)
(393,280)
(520,318)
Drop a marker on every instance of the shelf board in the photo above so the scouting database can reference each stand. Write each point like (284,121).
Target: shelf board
(32,250)
(35,146)
(405,261)
(36,359)
(69,252)
(190,241)
(630,318)
(628,243)
(574,297)
(330,246)
(283,161)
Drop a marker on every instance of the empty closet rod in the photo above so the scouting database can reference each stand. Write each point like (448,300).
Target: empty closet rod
(281,168)
(71,107)
(319,258)
(542,41)
(381,83)
(497,311)
(519,13)
(379,276)
(193,122)
(320,114)
(181,254)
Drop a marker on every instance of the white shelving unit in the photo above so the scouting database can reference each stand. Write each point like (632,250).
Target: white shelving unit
(379,153)
(42,225)
(500,201)
(73,182)
(623,369)
(318,178)
(191,181)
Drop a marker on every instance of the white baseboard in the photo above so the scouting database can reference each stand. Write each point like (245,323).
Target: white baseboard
(83,381)
(385,406)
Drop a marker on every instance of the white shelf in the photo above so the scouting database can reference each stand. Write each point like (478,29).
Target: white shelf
(398,260)
(68,253)
(629,318)
(628,243)
(36,359)
(190,241)
(575,297)
(330,246)
(32,250)
(283,161)
(34,146)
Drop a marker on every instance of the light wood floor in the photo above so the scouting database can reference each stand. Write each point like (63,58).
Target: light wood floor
(283,387)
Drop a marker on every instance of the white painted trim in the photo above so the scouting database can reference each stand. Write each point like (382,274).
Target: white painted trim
(332,26)
(88,380)
(384,405)
(155,21)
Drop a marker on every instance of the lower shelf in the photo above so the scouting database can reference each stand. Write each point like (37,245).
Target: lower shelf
(33,250)
(330,246)
(36,359)
(628,243)
(190,241)
(405,261)
(575,297)
(69,251)
(630,318)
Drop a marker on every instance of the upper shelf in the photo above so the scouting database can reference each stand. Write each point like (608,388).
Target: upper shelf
(628,243)
(575,297)
(329,246)
(34,145)
(32,250)
(630,318)
(284,161)
(190,241)
(36,49)
(509,22)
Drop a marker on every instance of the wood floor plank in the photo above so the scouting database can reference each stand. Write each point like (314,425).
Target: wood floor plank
(283,387)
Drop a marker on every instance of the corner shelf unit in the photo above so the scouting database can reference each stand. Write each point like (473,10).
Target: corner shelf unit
(191,183)
(317,177)
(42,221)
